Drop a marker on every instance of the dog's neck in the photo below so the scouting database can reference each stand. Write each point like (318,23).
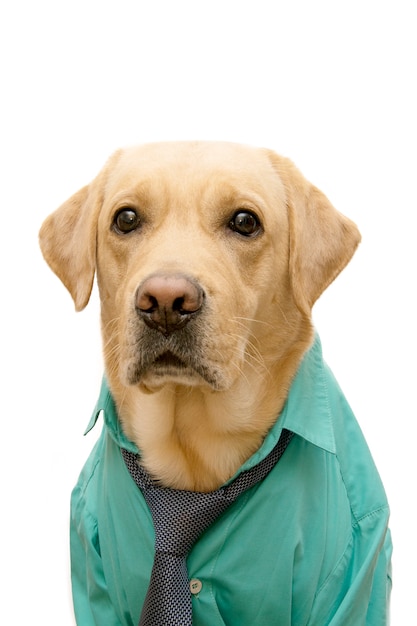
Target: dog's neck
(196,439)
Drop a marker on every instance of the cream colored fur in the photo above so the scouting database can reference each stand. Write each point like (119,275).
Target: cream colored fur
(193,431)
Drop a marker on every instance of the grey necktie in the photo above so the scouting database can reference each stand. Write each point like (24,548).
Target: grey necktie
(179,518)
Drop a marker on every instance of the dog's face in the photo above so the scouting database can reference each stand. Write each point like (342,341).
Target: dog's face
(188,257)
(209,257)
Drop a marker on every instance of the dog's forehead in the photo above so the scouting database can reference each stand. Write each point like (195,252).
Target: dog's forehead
(194,164)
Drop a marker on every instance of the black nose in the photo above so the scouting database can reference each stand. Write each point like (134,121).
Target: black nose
(167,302)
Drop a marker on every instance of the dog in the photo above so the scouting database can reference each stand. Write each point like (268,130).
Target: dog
(209,257)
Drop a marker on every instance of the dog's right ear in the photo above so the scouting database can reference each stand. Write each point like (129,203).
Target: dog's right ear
(68,242)
(68,237)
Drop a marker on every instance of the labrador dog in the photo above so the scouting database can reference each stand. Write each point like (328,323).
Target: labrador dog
(209,257)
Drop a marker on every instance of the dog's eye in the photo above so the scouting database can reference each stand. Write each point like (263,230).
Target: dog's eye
(126,220)
(245,223)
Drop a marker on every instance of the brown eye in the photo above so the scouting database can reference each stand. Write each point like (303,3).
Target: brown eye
(245,223)
(126,220)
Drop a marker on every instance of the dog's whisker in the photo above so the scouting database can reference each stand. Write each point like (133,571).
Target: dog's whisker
(252,320)
(249,341)
(253,357)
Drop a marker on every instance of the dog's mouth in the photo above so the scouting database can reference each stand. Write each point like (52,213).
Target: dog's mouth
(187,369)
(182,358)
(168,363)
(170,366)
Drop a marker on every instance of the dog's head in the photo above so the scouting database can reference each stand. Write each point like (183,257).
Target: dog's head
(209,258)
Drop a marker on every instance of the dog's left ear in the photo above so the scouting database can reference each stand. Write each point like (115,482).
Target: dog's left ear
(322,240)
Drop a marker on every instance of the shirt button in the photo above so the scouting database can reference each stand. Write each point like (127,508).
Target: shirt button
(195,586)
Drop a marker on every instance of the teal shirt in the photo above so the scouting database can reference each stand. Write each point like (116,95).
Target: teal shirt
(307,546)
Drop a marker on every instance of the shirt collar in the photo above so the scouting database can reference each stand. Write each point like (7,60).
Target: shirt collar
(306,411)
(105,404)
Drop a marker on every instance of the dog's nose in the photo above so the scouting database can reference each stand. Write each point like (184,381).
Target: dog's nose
(167,302)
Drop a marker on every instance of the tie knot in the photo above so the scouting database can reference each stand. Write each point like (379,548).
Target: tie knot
(180,517)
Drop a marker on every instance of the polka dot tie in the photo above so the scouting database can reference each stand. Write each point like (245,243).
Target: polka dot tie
(179,518)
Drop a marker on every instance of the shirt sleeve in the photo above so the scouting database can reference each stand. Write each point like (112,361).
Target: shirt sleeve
(379,604)
(92,604)
(358,590)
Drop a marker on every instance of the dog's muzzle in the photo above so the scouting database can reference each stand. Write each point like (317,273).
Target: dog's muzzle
(170,335)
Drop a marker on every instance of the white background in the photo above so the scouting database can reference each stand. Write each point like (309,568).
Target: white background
(330,84)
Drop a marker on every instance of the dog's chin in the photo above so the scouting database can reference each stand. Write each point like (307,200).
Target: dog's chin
(170,369)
